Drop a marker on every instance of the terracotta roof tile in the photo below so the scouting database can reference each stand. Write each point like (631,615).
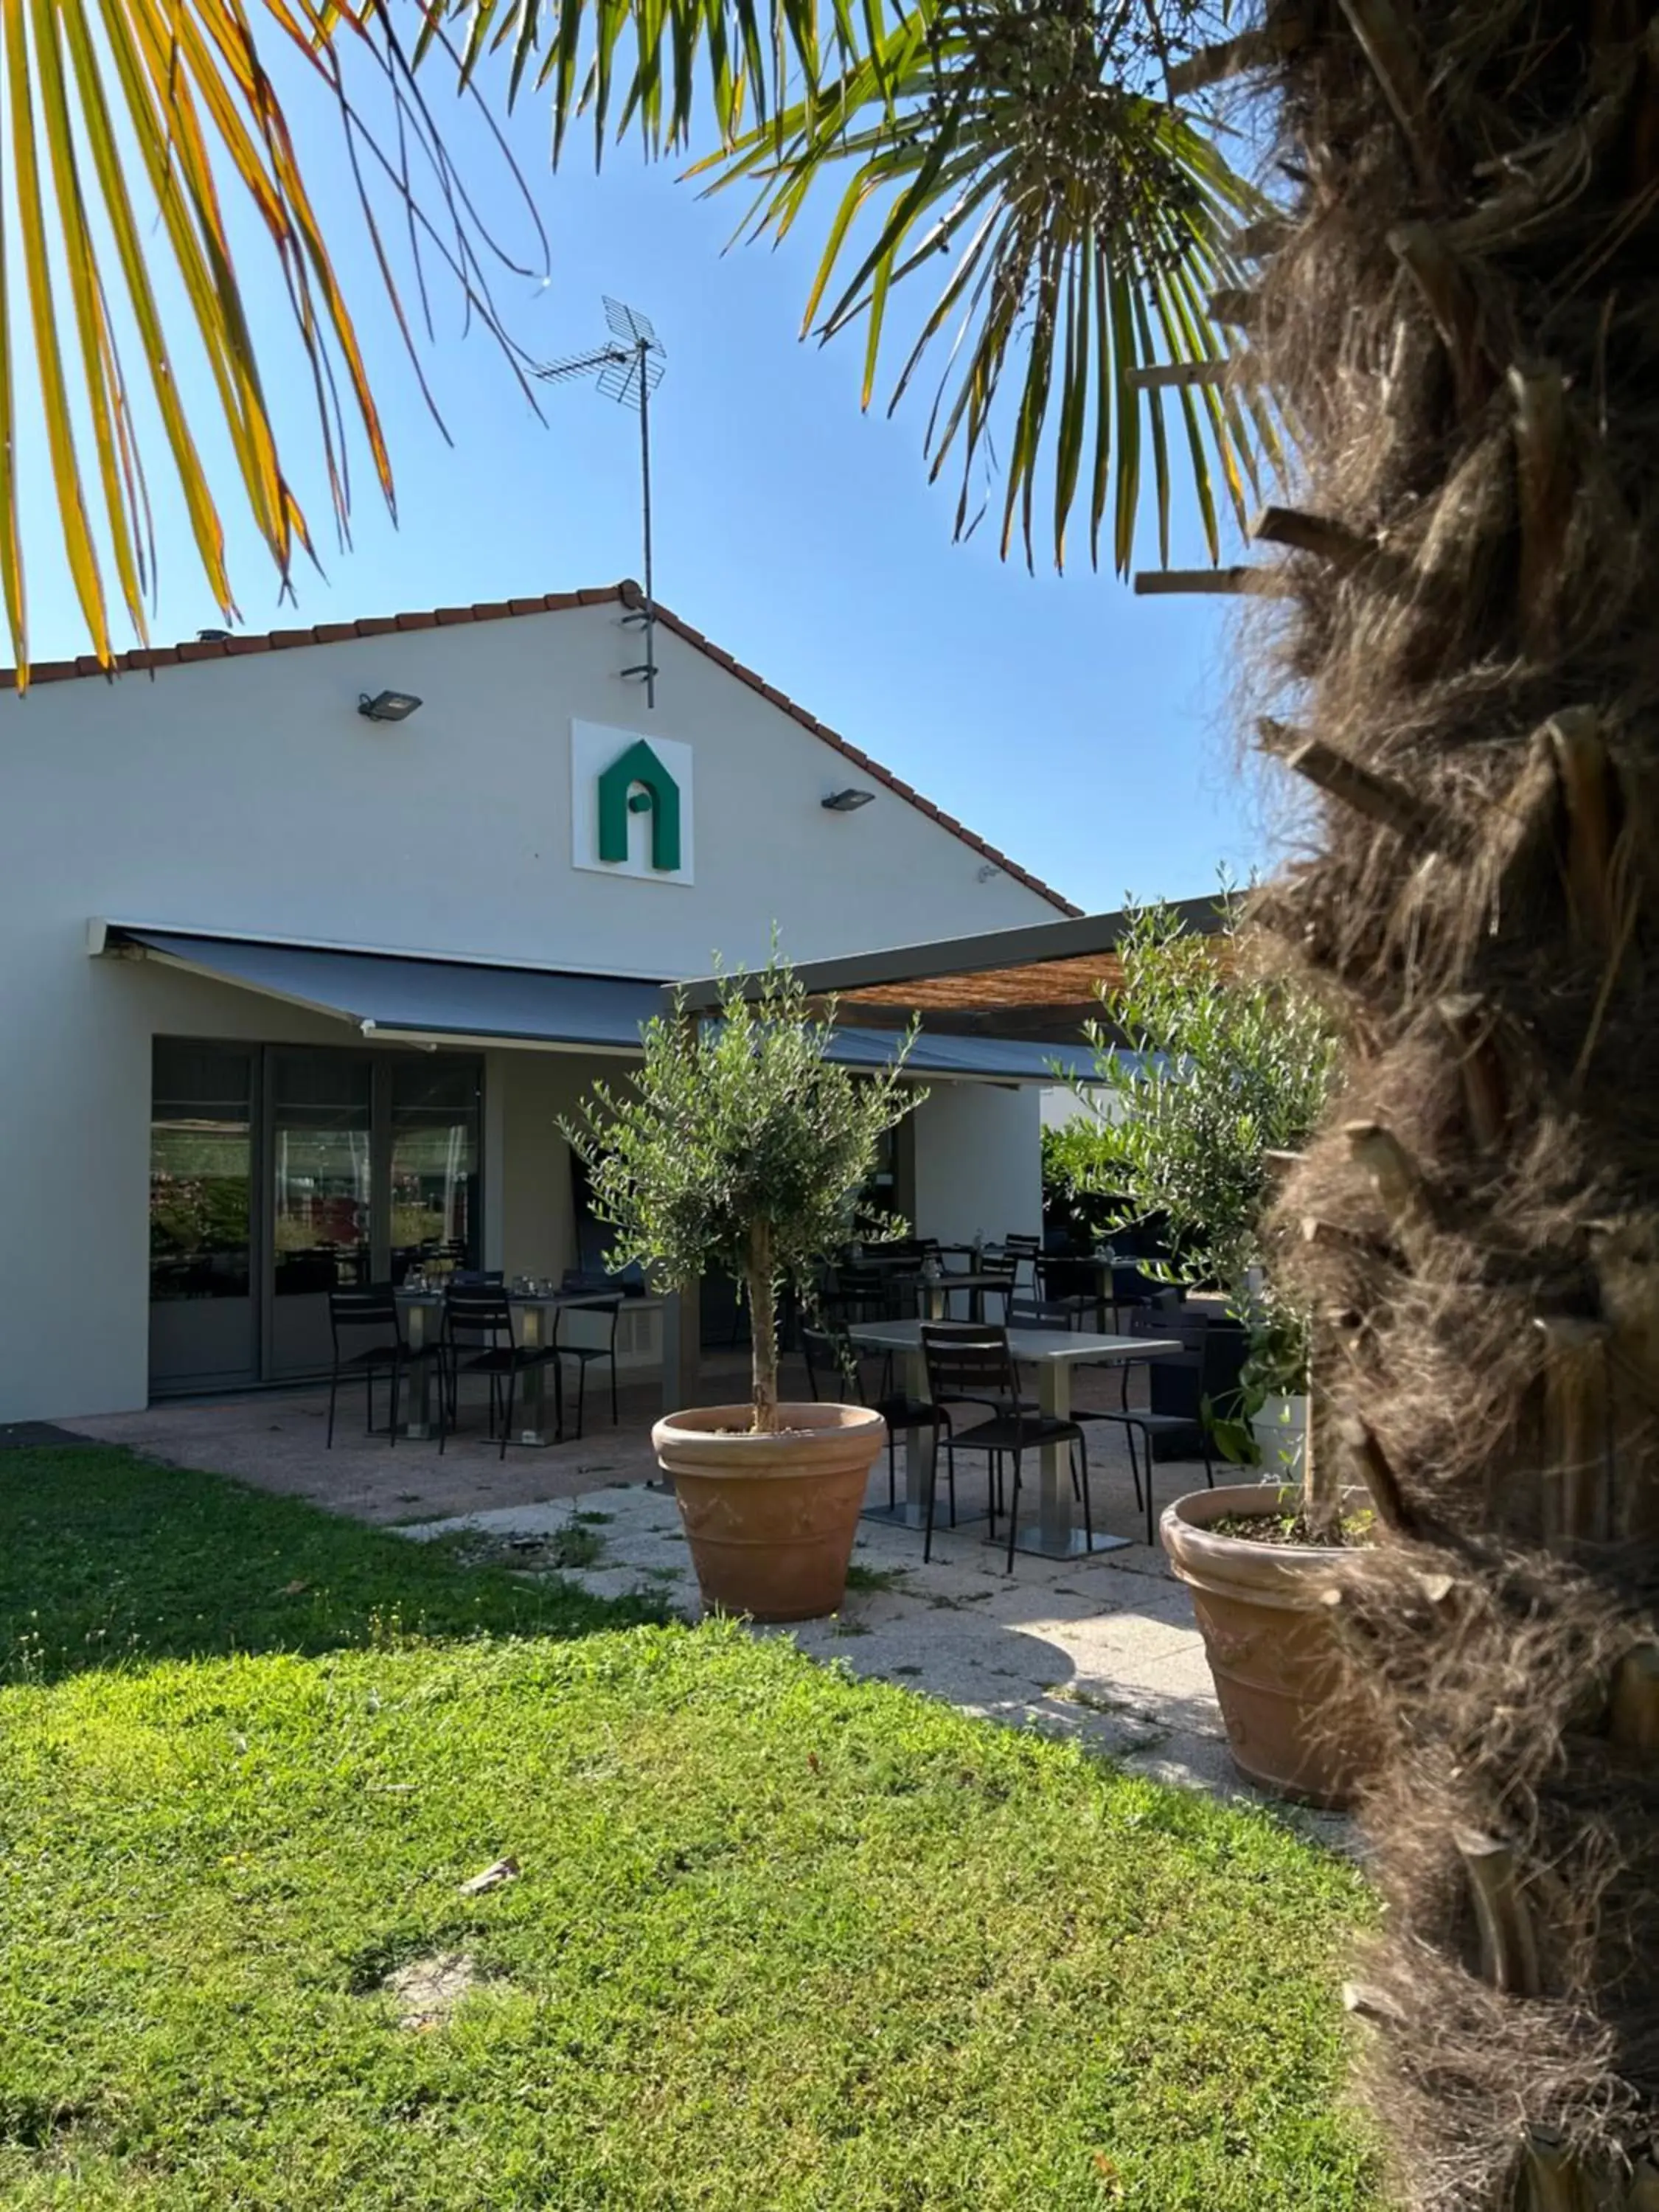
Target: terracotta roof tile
(627,593)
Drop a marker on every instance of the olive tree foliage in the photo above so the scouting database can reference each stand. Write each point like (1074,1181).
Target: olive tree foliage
(1203,1072)
(1210,1073)
(740,1147)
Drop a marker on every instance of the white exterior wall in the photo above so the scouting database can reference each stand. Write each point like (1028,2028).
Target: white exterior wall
(247,797)
(978,1162)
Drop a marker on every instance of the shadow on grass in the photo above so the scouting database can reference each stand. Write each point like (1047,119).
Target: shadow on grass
(107,1560)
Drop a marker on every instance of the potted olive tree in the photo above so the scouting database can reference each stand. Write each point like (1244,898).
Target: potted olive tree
(741,1147)
(1207,1075)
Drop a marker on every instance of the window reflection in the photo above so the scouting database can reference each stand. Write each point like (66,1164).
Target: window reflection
(322,1111)
(200,1172)
(434,1164)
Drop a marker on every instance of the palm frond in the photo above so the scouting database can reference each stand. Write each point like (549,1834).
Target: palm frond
(1086,223)
(132,130)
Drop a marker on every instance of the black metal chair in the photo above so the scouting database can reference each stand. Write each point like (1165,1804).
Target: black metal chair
(863,1294)
(602,1315)
(1177,1385)
(389,1353)
(1024,1251)
(830,1352)
(481,1337)
(974,1366)
(1068,1291)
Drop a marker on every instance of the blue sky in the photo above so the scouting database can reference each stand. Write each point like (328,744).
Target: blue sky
(1087,733)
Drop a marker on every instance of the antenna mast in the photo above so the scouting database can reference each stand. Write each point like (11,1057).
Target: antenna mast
(627,369)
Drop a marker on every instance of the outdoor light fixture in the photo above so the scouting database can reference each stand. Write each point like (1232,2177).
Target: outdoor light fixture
(387,705)
(848,801)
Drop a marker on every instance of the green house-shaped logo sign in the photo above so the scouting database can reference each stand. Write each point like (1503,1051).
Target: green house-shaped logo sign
(637,782)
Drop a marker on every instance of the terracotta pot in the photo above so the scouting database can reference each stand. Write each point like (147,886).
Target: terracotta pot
(1297,1720)
(771,1520)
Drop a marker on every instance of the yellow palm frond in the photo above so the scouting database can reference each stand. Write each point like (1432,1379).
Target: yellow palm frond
(135,133)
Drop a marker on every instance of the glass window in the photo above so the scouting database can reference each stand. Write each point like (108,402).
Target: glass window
(322,1124)
(434,1161)
(200,1171)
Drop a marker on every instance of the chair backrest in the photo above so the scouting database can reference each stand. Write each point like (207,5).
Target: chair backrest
(373,1307)
(478,1312)
(832,1365)
(591,1326)
(965,1359)
(476,1278)
(1017,1241)
(1062,1277)
(1175,1380)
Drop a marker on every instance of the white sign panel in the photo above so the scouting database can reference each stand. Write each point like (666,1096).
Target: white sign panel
(631,810)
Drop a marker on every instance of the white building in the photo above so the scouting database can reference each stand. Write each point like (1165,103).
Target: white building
(291,992)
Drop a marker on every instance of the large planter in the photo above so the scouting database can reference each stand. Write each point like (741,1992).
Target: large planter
(770,1520)
(1298,1722)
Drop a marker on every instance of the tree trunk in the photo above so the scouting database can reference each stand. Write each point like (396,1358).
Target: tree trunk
(1463,323)
(763,1294)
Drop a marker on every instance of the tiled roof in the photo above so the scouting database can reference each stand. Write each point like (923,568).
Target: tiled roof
(627,593)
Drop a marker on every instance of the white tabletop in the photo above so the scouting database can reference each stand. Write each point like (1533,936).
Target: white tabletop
(1063,1346)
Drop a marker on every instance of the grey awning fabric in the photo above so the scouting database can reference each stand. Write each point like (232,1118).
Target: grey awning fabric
(408,998)
(1003,1060)
(390,994)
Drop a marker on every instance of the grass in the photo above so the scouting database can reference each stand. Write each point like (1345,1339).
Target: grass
(106,1557)
(779,1940)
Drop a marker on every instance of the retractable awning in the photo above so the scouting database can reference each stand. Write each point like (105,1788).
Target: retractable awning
(399,999)
(395,999)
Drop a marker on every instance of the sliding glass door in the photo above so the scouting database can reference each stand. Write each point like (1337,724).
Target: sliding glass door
(279,1174)
(320,1119)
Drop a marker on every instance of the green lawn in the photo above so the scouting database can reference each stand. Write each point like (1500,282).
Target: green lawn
(780,1940)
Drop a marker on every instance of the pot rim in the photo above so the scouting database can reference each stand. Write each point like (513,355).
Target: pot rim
(1193,1544)
(822,1418)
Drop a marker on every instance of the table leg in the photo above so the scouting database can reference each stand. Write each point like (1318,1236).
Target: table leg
(919,1457)
(420,1325)
(1052,1535)
(1055,1474)
(536,1328)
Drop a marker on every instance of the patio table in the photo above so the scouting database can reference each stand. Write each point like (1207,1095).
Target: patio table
(1053,1353)
(936,1291)
(538,1319)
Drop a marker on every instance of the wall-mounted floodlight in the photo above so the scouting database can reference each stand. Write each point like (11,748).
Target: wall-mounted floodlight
(387,705)
(848,801)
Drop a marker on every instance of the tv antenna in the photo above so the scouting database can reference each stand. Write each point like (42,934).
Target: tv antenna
(627,369)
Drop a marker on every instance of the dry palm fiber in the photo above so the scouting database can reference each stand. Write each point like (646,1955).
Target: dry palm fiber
(1462,319)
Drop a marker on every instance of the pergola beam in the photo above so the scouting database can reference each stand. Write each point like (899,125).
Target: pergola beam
(1029,946)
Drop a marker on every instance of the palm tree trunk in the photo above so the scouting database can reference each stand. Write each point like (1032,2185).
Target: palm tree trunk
(1462,322)
(762,1290)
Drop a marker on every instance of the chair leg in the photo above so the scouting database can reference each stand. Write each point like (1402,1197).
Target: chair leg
(1013,1513)
(581,1396)
(1151,1533)
(333,1391)
(928,1526)
(950,1469)
(1135,1463)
